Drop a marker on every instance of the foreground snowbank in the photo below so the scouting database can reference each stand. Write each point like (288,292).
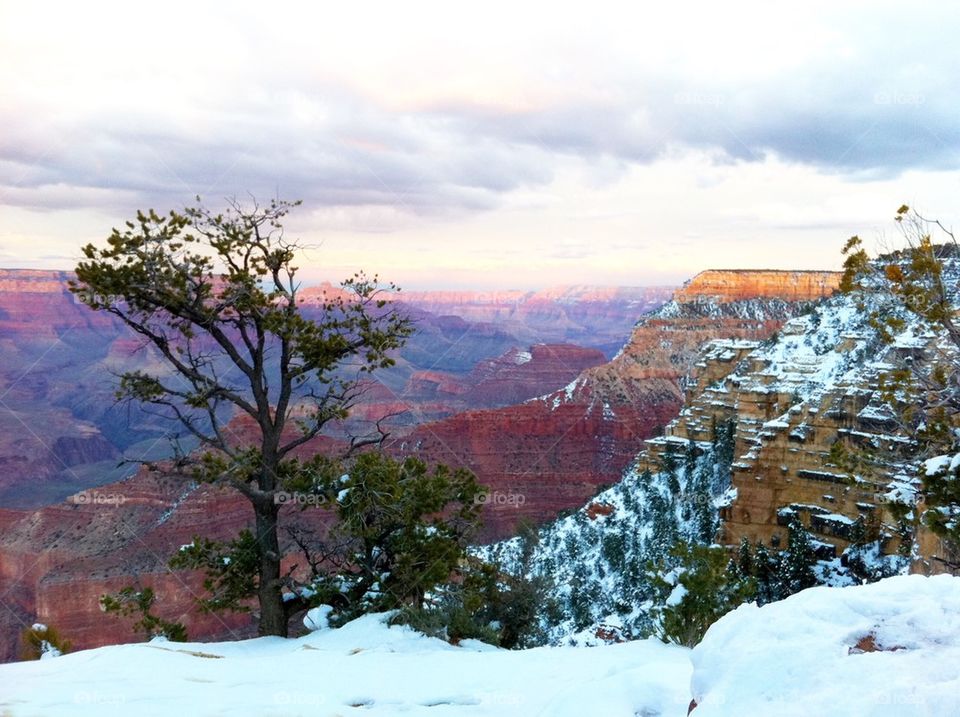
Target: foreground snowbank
(890,648)
(363,668)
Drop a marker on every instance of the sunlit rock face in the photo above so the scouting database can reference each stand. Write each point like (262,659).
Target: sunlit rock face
(797,398)
(561,448)
(537,458)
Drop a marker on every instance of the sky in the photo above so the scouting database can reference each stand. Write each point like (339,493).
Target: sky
(490,145)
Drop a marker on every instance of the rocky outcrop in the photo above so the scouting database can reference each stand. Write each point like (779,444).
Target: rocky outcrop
(56,562)
(536,460)
(519,375)
(802,401)
(560,449)
(726,285)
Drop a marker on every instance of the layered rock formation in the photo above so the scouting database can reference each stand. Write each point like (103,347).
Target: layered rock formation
(537,459)
(60,430)
(726,285)
(559,449)
(802,401)
(597,317)
(62,435)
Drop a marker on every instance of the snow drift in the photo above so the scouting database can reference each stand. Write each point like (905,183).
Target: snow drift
(889,648)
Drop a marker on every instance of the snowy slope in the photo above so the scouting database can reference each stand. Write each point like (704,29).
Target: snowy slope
(888,649)
(599,560)
(364,668)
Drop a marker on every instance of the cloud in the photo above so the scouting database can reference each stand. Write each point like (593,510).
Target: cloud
(415,113)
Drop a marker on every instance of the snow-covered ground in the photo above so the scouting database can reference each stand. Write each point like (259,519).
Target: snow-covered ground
(888,649)
(891,648)
(363,668)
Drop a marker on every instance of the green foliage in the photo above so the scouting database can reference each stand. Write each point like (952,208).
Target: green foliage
(797,561)
(130,601)
(696,588)
(485,602)
(230,567)
(745,561)
(401,530)
(724,441)
(703,514)
(41,640)
(216,297)
(925,390)
(765,574)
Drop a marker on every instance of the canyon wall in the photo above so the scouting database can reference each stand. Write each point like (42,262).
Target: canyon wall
(61,429)
(815,439)
(561,448)
(726,285)
(537,458)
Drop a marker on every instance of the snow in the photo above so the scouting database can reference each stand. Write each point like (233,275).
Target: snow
(364,666)
(522,357)
(318,618)
(800,657)
(939,464)
(676,595)
(881,650)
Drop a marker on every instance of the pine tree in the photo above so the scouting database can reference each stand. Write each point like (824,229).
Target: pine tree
(765,574)
(797,561)
(745,561)
(663,523)
(724,445)
(698,591)
(689,461)
(216,296)
(670,471)
(704,514)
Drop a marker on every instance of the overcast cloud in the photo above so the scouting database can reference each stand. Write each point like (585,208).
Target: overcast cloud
(545,128)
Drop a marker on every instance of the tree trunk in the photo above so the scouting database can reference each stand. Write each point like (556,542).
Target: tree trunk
(273,618)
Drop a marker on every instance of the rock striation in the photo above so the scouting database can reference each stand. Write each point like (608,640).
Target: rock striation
(727,285)
(803,400)
(537,458)
(561,448)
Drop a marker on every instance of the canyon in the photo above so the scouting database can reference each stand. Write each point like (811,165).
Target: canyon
(61,429)
(561,448)
(578,422)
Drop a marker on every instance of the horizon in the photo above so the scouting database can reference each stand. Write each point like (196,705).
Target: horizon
(510,289)
(523,148)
